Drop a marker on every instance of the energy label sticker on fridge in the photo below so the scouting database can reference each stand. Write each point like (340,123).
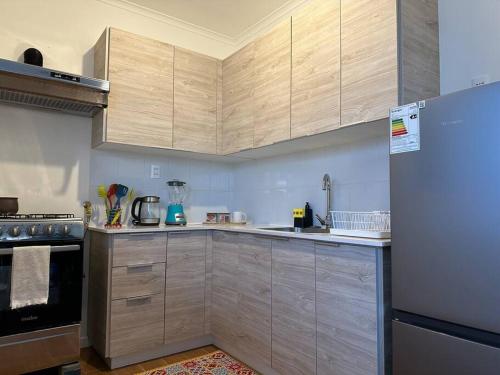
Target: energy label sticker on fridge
(405,128)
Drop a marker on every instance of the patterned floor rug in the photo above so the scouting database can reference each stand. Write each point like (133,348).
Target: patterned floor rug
(216,363)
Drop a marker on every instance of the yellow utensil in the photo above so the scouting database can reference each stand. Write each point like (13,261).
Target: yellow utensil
(117,216)
(103,193)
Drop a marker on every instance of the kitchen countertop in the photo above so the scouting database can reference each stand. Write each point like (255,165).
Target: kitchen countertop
(250,229)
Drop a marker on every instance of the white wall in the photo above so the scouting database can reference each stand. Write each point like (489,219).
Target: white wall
(269,189)
(469,34)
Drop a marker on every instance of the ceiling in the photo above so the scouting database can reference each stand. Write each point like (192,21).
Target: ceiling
(227,17)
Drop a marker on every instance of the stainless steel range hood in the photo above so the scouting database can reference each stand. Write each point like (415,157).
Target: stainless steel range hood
(46,88)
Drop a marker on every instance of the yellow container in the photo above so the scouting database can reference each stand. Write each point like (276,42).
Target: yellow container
(298,213)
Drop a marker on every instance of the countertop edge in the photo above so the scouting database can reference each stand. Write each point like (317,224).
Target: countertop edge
(249,229)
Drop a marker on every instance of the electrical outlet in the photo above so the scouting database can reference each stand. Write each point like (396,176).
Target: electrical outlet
(480,80)
(155,171)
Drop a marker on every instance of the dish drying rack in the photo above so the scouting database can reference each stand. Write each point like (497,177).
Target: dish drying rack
(375,224)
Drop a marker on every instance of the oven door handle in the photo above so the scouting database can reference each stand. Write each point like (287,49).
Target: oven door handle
(53,249)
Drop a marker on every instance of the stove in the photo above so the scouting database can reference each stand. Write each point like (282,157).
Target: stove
(52,327)
(40,227)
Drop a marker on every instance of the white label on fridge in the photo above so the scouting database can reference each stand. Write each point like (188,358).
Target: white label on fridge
(405,128)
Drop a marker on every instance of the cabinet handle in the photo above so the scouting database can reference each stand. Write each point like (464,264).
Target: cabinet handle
(330,244)
(271,237)
(148,266)
(141,234)
(137,300)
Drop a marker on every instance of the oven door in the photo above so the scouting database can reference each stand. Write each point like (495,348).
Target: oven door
(65,290)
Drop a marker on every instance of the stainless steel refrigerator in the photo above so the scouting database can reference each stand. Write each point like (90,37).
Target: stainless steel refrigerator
(445,219)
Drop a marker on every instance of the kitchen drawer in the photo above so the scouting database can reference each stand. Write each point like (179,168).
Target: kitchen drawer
(139,248)
(137,324)
(137,280)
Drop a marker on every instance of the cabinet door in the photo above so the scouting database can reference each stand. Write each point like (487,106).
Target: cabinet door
(241,296)
(272,86)
(238,74)
(316,68)
(369,59)
(185,286)
(224,320)
(293,307)
(346,308)
(195,102)
(254,298)
(140,103)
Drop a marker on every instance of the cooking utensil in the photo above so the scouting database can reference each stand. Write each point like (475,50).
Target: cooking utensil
(121,191)
(102,193)
(8,205)
(111,192)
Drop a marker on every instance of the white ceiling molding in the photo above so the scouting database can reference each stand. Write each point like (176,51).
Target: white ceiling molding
(169,20)
(251,33)
(268,22)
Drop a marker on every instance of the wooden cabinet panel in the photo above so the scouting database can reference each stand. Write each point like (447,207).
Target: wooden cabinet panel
(238,72)
(224,321)
(293,307)
(254,303)
(140,280)
(241,295)
(136,324)
(134,249)
(195,102)
(419,53)
(185,286)
(346,307)
(140,106)
(315,83)
(369,59)
(272,86)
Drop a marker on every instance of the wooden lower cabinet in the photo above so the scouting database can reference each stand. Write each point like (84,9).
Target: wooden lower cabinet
(294,307)
(185,286)
(346,307)
(136,324)
(281,305)
(241,296)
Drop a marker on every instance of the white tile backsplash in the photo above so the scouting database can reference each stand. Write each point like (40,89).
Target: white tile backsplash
(269,189)
(208,182)
(266,189)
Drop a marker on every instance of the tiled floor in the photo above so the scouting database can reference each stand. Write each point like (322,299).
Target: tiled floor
(92,364)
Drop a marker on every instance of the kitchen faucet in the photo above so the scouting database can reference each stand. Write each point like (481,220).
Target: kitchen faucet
(327,187)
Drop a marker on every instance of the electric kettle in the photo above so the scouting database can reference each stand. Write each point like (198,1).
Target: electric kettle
(149,210)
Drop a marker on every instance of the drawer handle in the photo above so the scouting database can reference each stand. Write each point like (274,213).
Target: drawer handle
(330,244)
(140,266)
(140,234)
(138,300)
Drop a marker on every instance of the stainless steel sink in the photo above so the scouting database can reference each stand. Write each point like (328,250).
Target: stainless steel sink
(311,230)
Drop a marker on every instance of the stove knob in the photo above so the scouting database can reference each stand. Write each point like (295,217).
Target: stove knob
(15,231)
(65,229)
(32,231)
(49,229)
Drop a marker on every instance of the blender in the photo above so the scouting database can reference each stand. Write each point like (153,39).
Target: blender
(177,193)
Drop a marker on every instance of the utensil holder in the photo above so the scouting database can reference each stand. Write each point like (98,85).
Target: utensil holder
(113,218)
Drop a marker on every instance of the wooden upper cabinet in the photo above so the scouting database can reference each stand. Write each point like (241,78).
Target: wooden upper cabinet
(272,86)
(369,59)
(195,103)
(315,104)
(140,71)
(238,72)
